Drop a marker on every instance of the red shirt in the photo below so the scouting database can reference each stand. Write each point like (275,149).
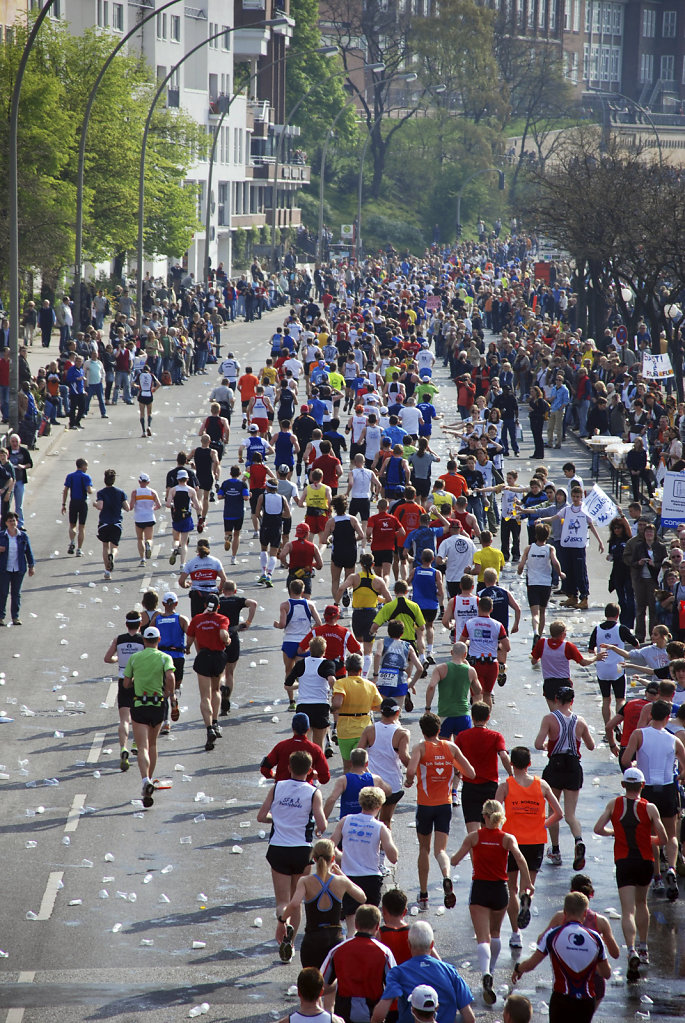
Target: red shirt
(631,715)
(480,746)
(384,531)
(280,755)
(246,385)
(454,483)
(408,513)
(302,554)
(258,476)
(206,628)
(339,641)
(489,856)
(328,465)
(4,372)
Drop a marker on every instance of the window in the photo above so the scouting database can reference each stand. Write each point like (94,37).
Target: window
(531,13)
(224,211)
(56,10)
(118,17)
(9,35)
(668,25)
(606,13)
(618,20)
(175,28)
(574,68)
(201,200)
(576,15)
(226,38)
(668,68)
(213,29)
(161,26)
(103,13)
(646,68)
(592,16)
(161,72)
(213,88)
(552,15)
(648,24)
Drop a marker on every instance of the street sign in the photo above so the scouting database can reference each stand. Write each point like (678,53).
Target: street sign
(622,334)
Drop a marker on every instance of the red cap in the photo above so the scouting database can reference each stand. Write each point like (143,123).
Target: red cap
(332,611)
(455,523)
(302,529)
(304,408)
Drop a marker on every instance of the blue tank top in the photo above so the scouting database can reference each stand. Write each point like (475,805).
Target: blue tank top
(424,588)
(284,449)
(394,476)
(255,445)
(172,637)
(349,801)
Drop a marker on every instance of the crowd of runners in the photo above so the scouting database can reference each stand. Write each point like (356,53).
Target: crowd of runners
(319,449)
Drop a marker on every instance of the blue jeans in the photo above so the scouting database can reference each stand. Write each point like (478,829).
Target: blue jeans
(95,390)
(18,493)
(509,427)
(583,409)
(122,381)
(5,402)
(574,565)
(10,583)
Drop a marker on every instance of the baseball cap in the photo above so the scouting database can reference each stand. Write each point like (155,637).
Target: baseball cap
(455,523)
(652,687)
(169,598)
(144,478)
(634,774)
(304,408)
(300,723)
(212,602)
(181,474)
(331,611)
(253,428)
(151,632)
(302,529)
(424,998)
(389,706)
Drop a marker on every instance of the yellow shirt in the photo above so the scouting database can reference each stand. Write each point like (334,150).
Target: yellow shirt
(361,697)
(269,372)
(488,557)
(337,381)
(316,497)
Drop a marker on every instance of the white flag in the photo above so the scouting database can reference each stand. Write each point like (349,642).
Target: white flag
(599,507)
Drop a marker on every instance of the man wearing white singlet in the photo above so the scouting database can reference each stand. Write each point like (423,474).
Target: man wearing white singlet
(388,745)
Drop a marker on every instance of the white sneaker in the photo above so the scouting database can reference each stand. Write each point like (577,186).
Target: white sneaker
(234,560)
(515,940)
(107,575)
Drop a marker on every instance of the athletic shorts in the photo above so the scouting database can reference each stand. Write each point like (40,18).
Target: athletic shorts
(109,534)
(490,894)
(433,818)
(382,557)
(145,399)
(210,663)
(360,506)
(453,589)
(346,560)
(473,797)
(551,686)
(532,854)
(429,614)
(318,714)
(618,685)
(316,523)
(347,745)
(664,797)
(233,648)
(634,873)
(233,525)
(124,695)
(362,620)
(151,716)
(290,648)
(317,944)
(254,497)
(263,424)
(290,860)
(184,526)
(145,525)
(422,487)
(538,596)
(371,886)
(179,667)
(270,536)
(564,771)
(78,512)
(205,482)
(454,725)
(487,672)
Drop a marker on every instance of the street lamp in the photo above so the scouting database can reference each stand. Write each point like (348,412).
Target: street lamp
(472,177)
(324,51)
(82,141)
(605,97)
(268,23)
(288,121)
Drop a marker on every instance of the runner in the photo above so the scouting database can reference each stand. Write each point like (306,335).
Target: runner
(208,630)
(279,757)
(147,385)
(384,531)
(482,746)
(314,677)
(274,511)
(540,561)
(207,468)
(230,606)
(301,557)
(285,446)
(388,746)
(316,499)
(172,632)
(111,503)
(455,554)
(150,673)
(405,611)
(348,787)
(119,651)
(555,655)
(362,487)
(296,615)
(367,590)
(610,672)
(393,656)
(181,498)
(234,492)
(144,502)
(433,761)
(78,485)
(487,641)
(344,531)
(461,607)
(354,697)
(429,594)
(203,575)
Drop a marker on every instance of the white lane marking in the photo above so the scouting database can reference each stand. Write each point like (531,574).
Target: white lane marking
(50,894)
(112,693)
(96,748)
(145,583)
(74,815)
(26,977)
(14,1016)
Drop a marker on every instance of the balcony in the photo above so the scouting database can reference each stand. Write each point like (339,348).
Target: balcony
(219,105)
(295,174)
(285,217)
(173,98)
(260,110)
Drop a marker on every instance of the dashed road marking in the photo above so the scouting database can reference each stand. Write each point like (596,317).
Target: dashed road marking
(50,894)
(96,748)
(74,814)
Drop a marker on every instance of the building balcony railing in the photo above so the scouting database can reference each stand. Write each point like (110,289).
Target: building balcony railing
(284,217)
(260,110)
(296,174)
(218,105)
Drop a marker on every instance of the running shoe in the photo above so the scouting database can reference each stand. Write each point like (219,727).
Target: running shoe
(262,578)
(255,534)
(173,556)
(554,858)
(450,899)
(148,549)
(345,599)
(165,729)
(328,752)
(211,739)
(430,660)
(216,728)
(633,971)
(123,760)
(672,892)
(523,918)
(225,700)
(658,887)
(422,900)
(268,583)
(489,996)
(579,856)
(227,547)
(175,710)
(456,797)
(71,548)
(147,793)
(643,955)
(107,575)
(234,560)
(79,552)
(141,563)
(502,676)
(201,524)
(110,561)
(515,940)
(285,949)
(292,707)
(149,432)
(408,703)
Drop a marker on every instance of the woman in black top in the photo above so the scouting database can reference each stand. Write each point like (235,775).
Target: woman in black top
(538,412)
(619,579)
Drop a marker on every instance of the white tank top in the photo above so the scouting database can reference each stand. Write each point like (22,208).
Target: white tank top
(361,841)
(656,756)
(361,483)
(574,528)
(373,441)
(358,424)
(299,622)
(539,565)
(145,382)
(291,811)
(312,687)
(259,409)
(383,759)
(320,1017)
(143,508)
(464,608)
(609,669)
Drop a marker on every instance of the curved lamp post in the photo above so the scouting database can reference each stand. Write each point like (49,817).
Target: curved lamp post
(269,23)
(325,51)
(605,97)
(472,177)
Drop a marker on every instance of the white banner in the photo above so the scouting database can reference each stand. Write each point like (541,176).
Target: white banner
(656,367)
(673,500)
(599,507)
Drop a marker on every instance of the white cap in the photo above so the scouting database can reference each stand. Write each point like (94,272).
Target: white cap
(151,633)
(424,998)
(144,478)
(170,598)
(634,776)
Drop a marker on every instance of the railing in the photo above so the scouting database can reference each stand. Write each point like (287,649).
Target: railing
(219,105)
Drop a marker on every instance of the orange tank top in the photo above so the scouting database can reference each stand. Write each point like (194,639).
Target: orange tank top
(434,776)
(525,811)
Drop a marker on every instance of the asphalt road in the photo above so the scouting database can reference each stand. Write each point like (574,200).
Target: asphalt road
(121,896)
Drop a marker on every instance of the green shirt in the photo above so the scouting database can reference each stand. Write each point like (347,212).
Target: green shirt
(453,691)
(425,392)
(407,611)
(147,669)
